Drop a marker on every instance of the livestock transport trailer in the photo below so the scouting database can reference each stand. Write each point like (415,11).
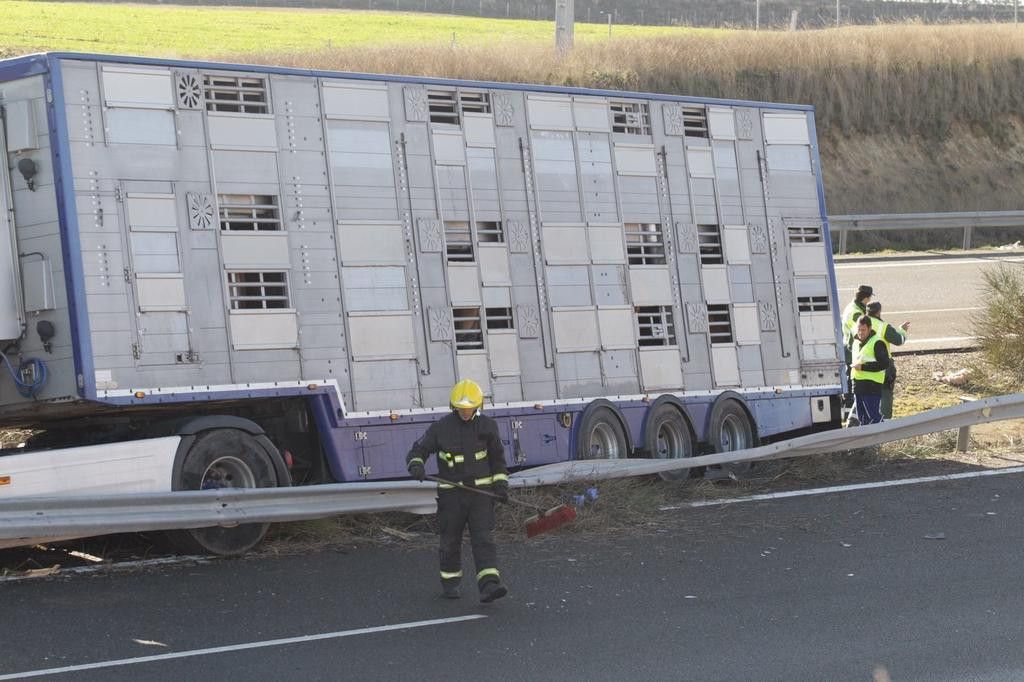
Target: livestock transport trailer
(228,275)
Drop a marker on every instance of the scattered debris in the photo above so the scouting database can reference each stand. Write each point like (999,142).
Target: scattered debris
(149,642)
(846,544)
(956,378)
(398,533)
(1009,247)
(41,572)
(935,536)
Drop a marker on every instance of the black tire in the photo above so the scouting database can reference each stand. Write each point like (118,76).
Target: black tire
(731,428)
(668,435)
(601,433)
(225,458)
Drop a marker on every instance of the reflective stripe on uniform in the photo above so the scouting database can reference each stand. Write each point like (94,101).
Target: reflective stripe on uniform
(445,486)
(483,481)
(499,477)
(417,460)
(445,575)
(451,459)
(480,456)
(486,572)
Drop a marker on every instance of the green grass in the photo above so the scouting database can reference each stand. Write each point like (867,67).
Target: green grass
(171,31)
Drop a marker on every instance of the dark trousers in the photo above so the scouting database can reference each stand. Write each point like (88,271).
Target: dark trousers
(869,408)
(886,402)
(455,509)
(887,389)
(848,360)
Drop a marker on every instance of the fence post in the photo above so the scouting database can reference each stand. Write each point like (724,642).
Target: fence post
(968,230)
(842,240)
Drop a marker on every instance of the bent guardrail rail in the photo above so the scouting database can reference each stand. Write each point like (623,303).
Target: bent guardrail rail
(50,518)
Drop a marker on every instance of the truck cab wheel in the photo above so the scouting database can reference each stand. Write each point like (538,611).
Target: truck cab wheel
(224,458)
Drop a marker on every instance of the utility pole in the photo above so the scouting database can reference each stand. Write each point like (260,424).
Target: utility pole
(837,13)
(1015,4)
(757,15)
(564,25)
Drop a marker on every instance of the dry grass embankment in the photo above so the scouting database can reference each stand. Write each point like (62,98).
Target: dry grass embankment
(905,122)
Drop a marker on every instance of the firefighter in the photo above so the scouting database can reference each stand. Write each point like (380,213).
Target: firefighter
(870,360)
(469,451)
(892,336)
(854,310)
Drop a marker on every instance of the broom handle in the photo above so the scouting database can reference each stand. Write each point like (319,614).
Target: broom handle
(484,492)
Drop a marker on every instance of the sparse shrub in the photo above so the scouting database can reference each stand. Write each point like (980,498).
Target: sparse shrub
(999,328)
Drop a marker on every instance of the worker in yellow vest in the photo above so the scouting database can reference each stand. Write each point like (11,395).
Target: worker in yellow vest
(892,336)
(870,360)
(854,310)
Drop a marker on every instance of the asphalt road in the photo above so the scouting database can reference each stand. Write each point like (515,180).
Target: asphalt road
(936,294)
(917,582)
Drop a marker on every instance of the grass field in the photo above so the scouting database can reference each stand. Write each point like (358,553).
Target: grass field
(911,118)
(168,30)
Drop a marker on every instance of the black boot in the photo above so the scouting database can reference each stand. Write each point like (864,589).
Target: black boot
(450,590)
(492,590)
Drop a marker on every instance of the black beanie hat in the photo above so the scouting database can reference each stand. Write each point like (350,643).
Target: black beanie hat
(874,308)
(864,290)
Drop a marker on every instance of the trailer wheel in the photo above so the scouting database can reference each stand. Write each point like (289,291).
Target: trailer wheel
(667,435)
(731,428)
(225,458)
(601,433)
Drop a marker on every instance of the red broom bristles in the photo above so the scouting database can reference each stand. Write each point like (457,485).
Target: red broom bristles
(549,520)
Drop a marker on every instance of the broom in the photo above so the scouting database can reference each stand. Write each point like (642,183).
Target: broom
(546,520)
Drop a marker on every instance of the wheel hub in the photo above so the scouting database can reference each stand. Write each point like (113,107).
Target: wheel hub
(228,472)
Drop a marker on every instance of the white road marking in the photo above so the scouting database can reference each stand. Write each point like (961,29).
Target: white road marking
(940,339)
(930,310)
(240,647)
(847,488)
(921,263)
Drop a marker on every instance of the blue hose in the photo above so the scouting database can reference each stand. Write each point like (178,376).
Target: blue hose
(27,389)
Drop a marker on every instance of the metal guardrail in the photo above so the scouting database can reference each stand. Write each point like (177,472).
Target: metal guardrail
(48,518)
(845,224)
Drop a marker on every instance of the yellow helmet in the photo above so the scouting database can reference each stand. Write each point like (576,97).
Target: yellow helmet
(466,395)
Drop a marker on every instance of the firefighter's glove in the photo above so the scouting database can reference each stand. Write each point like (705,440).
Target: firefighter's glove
(500,488)
(417,471)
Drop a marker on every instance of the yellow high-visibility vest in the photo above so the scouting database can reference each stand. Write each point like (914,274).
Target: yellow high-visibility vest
(863,354)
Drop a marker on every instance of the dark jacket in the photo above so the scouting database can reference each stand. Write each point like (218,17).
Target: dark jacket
(880,364)
(467,452)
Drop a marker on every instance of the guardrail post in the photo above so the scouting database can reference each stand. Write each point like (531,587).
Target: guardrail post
(963,436)
(968,229)
(963,439)
(842,240)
